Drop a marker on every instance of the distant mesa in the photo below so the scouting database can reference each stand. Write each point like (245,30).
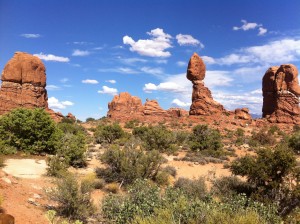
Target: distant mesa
(281,93)
(23,84)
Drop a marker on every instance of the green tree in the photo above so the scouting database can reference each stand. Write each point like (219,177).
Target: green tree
(30,130)
(204,138)
(108,133)
(155,138)
(294,142)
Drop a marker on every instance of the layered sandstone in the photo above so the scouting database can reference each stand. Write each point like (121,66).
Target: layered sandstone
(202,100)
(127,107)
(281,93)
(242,114)
(23,83)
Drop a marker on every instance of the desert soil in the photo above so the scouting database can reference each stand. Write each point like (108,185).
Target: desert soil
(23,184)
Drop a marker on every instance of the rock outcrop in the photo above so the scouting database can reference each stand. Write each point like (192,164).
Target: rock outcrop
(281,93)
(71,117)
(242,114)
(126,107)
(202,100)
(24,84)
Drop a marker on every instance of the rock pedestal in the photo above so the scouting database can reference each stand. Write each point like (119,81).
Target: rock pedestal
(202,100)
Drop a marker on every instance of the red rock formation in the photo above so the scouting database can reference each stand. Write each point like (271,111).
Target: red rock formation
(242,114)
(23,84)
(71,116)
(281,93)
(152,108)
(125,105)
(202,101)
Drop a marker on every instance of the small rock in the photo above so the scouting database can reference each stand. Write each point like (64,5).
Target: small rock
(37,196)
(32,201)
(6,180)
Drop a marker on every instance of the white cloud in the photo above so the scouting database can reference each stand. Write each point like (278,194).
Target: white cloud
(90,81)
(185,40)
(51,57)
(111,81)
(52,87)
(256,91)
(208,60)
(82,43)
(164,86)
(152,71)
(64,80)
(30,35)
(123,70)
(217,78)
(78,52)
(57,105)
(262,31)
(179,103)
(154,47)
(161,61)
(246,26)
(108,90)
(275,52)
(131,61)
(250,26)
(181,63)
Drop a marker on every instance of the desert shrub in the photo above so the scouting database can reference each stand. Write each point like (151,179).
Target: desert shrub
(142,198)
(156,138)
(67,120)
(270,172)
(126,165)
(145,203)
(51,215)
(7,149)
(294,142)
(204,137)
(181,137)
(226,187)
(108,133)
(113,187)
(170,170)
(262,137)
(99,184)
(273,129)
(56,166)
(193,188)
(74,200)
(240,136)
(30,130)
(89,119)
(162,178)
(1,161)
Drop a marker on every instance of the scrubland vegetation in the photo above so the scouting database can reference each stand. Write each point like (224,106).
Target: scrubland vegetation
(142,188)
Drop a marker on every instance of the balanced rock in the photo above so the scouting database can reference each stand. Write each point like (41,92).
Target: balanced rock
(281,93)
(202,100)
(23,83)
(71,116)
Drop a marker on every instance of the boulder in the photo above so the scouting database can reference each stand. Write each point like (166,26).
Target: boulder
(242,114)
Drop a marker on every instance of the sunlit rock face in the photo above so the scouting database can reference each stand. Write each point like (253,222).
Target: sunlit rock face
(281,93)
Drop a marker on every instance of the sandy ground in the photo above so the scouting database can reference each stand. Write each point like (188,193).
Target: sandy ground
(25,168)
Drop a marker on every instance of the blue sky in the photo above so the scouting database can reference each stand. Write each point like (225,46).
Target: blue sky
(94,49)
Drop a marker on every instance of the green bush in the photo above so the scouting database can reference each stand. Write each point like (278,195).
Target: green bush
(156,138)
(262,138)
(145,203)
(193,188)
(170,170)
(108,133)
(56,166)
(294,142)
(74,200)
(32,131)
(268,172)
(204,137)
(7,149)
(89,119)
(126,165)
